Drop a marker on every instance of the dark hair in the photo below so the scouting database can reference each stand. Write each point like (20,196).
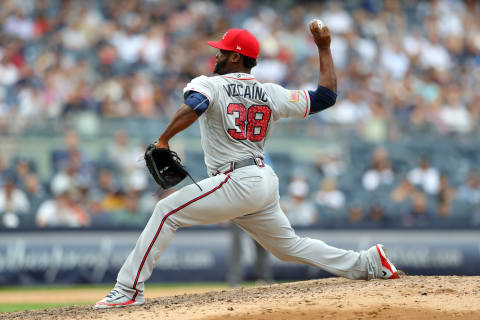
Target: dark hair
(249,62)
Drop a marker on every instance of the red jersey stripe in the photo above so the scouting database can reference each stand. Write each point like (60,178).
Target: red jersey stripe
(308,108)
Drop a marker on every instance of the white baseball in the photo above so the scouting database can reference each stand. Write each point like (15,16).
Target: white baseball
(319,23)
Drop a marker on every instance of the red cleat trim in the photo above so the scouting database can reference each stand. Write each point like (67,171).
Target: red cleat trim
(386,264)
(116,304)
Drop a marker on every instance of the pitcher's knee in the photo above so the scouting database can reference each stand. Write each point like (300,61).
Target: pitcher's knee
(286,255)
(166,217)
(291,251)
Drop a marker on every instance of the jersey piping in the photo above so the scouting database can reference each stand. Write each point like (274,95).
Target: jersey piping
(238,78)
(307,111)
(206,95)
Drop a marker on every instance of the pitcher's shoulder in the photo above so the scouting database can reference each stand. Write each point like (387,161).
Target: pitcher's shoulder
(200,78)
(207,79)
(272,86)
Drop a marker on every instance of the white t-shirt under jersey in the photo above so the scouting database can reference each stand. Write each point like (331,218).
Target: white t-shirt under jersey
(240,115)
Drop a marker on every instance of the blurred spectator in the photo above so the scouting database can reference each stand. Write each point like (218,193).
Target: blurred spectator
(425,176)
(445,196)
(380,172)
(369,214)
(5,110)
(394,59)
(337,18)
(356,214)
(454,113)
(4,172)
(74,38)
(34,190)
(469,191)
(106,193)
(137,181)
(22,169)
(299,210)
(376,214)
(9,74)
(329,196)
(433,54)
(375,128)
(71,175)
(62,211)
(270,70)
(71,158)
(419,215)
(330,165)
(143,95)
(349,111)
(403,193)
(128,159)
(18,25)
(128,44)
(418,119)
(12,199)
(153,49)
(130,214)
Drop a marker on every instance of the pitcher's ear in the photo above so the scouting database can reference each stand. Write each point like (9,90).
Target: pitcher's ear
(235,57)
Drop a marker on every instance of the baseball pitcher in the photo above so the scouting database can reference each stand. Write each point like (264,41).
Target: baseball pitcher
(236,115)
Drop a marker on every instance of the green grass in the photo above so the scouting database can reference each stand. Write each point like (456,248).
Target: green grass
(12,307)
(110,286)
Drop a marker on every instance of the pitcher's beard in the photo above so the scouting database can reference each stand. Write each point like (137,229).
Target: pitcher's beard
(219,67)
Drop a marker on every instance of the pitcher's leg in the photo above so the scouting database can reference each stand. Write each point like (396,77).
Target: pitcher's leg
(186,207)
(139,264)
(273,231)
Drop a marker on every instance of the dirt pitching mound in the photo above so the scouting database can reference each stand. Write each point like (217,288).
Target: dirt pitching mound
(412,297)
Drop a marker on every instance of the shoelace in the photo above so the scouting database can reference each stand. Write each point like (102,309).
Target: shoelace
(188,174)
(112,293)
(177,158)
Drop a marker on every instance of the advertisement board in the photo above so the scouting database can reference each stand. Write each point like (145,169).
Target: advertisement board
(201,255)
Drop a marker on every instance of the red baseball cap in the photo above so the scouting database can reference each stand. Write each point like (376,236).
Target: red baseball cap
(240,41)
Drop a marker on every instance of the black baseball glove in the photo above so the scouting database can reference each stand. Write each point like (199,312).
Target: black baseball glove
(165,166)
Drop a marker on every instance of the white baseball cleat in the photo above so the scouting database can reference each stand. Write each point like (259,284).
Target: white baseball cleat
(116,299)
(388,269)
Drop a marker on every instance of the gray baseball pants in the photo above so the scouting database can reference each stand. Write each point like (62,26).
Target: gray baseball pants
(249,197)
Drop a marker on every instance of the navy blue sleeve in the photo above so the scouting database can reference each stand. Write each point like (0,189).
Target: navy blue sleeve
(197,101)
(321,99)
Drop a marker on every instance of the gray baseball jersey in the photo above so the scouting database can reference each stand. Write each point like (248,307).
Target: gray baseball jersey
(241,114)
(234,127)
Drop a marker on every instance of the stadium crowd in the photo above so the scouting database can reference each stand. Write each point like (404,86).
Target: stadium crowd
(405,68)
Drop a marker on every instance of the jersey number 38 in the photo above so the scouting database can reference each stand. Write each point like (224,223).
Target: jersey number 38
(251,123)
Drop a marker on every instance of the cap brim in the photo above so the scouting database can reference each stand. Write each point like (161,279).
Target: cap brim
(218,45)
